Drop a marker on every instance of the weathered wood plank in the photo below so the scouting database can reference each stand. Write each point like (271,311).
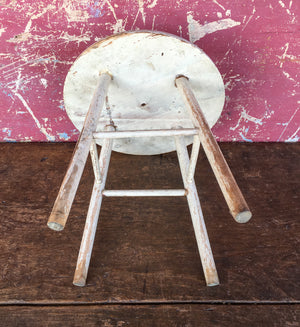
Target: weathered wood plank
(145,249)
(152,315)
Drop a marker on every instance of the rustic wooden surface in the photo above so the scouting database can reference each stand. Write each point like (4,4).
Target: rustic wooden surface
(151,316)
(145,262)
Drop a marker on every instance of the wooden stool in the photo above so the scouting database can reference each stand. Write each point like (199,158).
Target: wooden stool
(144,81)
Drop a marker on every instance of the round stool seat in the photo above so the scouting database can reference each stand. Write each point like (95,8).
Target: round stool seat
(142,94)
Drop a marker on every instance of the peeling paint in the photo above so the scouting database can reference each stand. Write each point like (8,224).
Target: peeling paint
(76,10)
(41,128)
(44,82)
(6,130)
(64,136)
(75,38)
(152,4)
(40,40)
(244,138)
(2,30)
(198,31)
(287,125)
(294,137)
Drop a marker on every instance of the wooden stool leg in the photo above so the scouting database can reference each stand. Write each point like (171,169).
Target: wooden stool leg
(205,252)
(88,237)
(232,194)
(66,194)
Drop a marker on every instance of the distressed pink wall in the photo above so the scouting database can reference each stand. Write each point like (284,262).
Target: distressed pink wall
(253,43)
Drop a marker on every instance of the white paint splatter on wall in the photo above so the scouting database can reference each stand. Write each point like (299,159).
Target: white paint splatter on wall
(253,46)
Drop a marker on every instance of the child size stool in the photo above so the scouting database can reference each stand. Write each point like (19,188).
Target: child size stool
(144,93)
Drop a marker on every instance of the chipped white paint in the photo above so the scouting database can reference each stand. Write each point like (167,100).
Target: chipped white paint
(193,159)
(284,55)
(111,9)
(153,4)
(232,194)
(75,38)
(37,15)
(40,127)
(137,60)
(95,161)
(288,76)
(197,31)
(20,38)
(2,30)
(118,27)
(73,10)
(286,47)
(27,34)
(294,137)
(206,256)
(228,13)
(283,6)
(44,82)
(64,200)
(141,10)
(217,3)
(90,227)
(257,121)
(286,126)
(249,19)
(153,21)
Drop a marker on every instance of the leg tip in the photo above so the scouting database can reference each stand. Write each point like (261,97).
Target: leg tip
(79,282)
(55,226)
(243,217)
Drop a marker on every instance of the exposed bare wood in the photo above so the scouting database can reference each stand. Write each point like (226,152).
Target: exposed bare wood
(193,159)
(64,200)
(233,196)
(95,160)
(204,248)
(90,227)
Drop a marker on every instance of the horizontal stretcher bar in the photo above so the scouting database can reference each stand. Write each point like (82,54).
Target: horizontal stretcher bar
(145,133)
(179,192)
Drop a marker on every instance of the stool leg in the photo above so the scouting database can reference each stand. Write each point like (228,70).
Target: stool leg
(90,227)
(66,194)
(232,194)
(194,157)
(205,252)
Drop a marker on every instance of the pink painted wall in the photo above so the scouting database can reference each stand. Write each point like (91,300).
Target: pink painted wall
(255,45)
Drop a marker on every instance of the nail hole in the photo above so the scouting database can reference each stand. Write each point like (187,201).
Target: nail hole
(143,104)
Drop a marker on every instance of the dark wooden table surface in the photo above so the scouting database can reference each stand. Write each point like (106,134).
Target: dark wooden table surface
(145,268)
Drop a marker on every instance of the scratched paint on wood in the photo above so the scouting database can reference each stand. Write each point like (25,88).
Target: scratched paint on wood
(255,45)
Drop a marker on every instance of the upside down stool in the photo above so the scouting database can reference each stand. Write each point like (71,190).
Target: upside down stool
(144,93)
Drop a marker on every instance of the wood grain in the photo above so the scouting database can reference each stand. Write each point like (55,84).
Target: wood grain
(67,191)
(232,194)
(207,260)
(145,249)
(152,315)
